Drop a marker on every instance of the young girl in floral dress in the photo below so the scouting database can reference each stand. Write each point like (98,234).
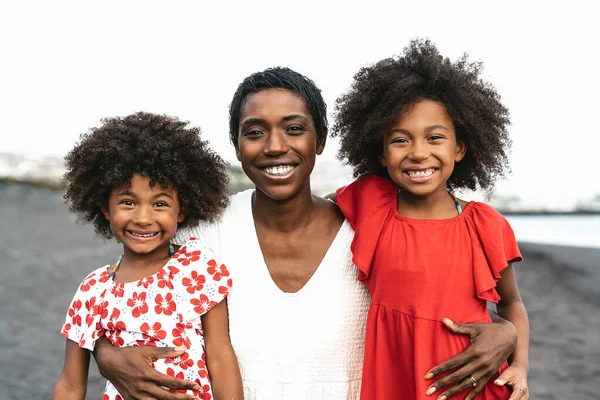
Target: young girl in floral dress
(416,128)
(138,179)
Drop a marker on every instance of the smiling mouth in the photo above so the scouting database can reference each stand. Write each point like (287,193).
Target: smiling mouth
(421,173)
(279,170)
(143,235)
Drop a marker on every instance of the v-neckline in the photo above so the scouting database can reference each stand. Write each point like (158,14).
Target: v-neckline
(264,269)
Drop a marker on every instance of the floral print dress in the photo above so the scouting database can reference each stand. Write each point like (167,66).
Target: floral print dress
(162,309)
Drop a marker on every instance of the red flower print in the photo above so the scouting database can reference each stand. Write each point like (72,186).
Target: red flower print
(164,280)
(202,368)
(115,338)
(74,312)
(227,288)
(65,331)
(166,305)
(187,258)
(195,283)
(179,375)
(146,281)
(138,303)
(217,272)
(105,397)
(140,343)
(90,306)
(202,304)
(113,323)
(87,283)
(183,361)
(179,336)
(154,333)
(118,289)
(104,277)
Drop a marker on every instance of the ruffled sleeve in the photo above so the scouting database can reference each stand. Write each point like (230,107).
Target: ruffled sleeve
(366,203)
(82,323)
(494,247)
(206,282)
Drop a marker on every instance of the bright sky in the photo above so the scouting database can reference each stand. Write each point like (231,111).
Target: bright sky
(66,64)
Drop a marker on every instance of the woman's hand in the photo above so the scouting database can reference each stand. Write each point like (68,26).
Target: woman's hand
(130,370)
(491,345)
(515,376)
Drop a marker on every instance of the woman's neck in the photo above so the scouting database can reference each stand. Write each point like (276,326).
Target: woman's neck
(284,215)
(437,205)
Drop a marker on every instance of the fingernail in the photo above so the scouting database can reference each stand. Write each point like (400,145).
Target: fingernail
(179,348)
(442,397)
(498,382)
(448,320)
(428,376)
(431,391)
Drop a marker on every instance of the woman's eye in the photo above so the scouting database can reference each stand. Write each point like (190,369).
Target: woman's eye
(296,129)
(253,132)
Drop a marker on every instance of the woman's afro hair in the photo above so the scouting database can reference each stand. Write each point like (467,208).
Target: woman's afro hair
(382,92)
(159,147)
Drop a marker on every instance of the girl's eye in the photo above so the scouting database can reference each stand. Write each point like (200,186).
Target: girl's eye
(400,140)
(435,137)
(127,202)
(161,204)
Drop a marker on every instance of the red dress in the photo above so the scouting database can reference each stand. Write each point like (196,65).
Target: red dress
(418,272)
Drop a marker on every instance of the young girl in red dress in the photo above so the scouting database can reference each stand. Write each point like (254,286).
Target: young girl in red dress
(416,128)
(139,179)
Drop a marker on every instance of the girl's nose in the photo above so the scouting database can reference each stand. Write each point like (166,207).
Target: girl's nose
(143,216)
(419,152)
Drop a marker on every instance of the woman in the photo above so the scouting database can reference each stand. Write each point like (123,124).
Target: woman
(297,312)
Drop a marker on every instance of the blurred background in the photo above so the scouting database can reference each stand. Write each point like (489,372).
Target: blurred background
(66,64)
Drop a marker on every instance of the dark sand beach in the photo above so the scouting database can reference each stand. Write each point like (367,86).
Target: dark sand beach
(45,254)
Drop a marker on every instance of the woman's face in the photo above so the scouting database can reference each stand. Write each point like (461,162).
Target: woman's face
(277,143)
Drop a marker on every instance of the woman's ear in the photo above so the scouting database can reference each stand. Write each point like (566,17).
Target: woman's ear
(321,145)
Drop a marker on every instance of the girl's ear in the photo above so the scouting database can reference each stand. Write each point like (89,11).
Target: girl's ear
(105,211)
(183,212)
(382,160)
(461,150)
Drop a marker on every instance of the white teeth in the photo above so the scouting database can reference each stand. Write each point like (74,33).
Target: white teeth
(279,170)
(421,174)
(145,235)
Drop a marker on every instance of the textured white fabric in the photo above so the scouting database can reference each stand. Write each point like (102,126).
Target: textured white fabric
(304,345)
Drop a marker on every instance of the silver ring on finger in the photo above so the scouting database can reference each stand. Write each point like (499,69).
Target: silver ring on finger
(473,381)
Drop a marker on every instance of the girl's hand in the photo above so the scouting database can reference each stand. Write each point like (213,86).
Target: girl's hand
(516,377)
(130,370)
(491,345)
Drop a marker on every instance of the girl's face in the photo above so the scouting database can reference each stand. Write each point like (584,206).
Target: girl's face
(277,143)
(142,217)
(421,149)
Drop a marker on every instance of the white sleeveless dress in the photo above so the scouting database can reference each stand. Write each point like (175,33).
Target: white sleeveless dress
(304,345)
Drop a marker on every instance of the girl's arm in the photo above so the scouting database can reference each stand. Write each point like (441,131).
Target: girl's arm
(511,308)
(220,359)
(72,382)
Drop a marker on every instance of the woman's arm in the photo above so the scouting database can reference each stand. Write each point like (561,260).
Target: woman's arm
(511,307)
(220,359)
(72,382)
(130,370)
(491,345)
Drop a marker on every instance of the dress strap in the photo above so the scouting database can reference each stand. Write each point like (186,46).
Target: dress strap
(456,202)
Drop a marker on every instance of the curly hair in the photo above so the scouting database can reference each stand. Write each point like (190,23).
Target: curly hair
(381,93)
(279,78)
(159,147)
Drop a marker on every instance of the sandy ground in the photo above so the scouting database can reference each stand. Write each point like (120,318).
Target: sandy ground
(45,256)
